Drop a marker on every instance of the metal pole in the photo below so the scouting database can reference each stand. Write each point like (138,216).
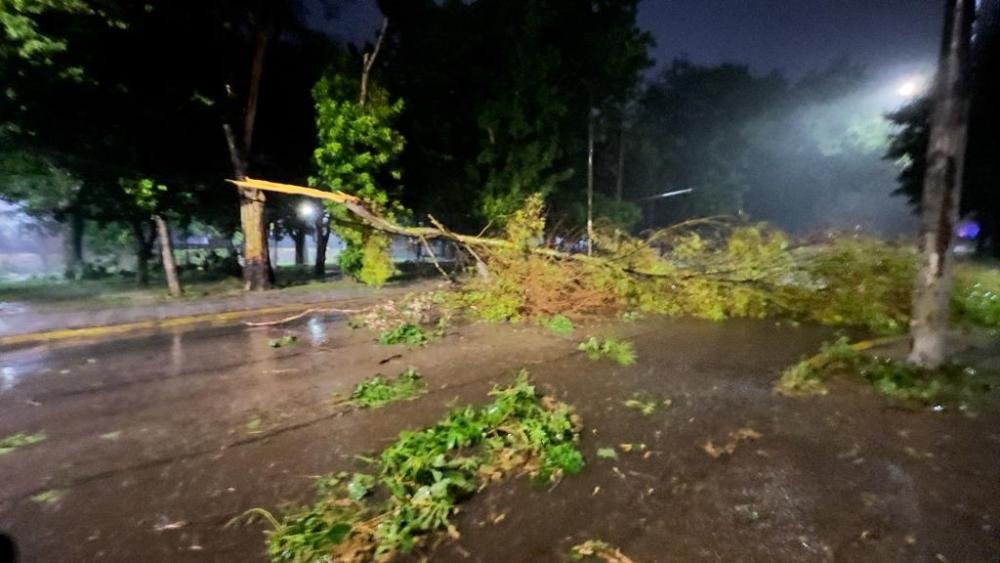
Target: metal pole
(590,182)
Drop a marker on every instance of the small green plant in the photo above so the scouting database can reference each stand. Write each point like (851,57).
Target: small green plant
(20,440)
(380,391)
(559,324)
(406,333)
(620,351)
(420,479)
(287,340)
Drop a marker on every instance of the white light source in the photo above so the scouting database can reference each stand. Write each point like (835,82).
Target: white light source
(307,210)
(911,87)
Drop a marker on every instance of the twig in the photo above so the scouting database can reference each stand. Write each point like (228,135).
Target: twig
(434,259)
(305,313)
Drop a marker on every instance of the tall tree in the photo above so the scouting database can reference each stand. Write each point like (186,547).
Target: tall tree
(942,188)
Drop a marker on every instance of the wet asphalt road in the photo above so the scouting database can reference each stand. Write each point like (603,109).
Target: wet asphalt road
(155,442)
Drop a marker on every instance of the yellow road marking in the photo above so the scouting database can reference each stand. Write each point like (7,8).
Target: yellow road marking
(172,322)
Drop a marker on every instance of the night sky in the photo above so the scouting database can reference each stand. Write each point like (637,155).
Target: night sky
(795,36)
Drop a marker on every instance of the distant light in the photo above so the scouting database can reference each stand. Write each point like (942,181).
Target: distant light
(668,194)
(968,229)
(307,210)
(912,87)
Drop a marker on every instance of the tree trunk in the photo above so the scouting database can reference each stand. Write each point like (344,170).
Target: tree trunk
(620,176)
(299,236)
(322,239)
(942,181)
(143,252)
(255,259)
(73,245)
(167,256)
(257,273)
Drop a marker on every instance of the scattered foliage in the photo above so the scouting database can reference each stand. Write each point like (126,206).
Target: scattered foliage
(646,404)
(50,496)
(20,440)
(619,351)
(380,391)
(735,437)
(410,320)
(607,453)
(407,333)
(421,478)
(899,380)
(287,340)
(599,550)
(806,377)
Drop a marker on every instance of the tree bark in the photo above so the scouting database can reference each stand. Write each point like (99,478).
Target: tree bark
(368,60)
(73,246)
(167,256)
(257,274)
(322,239)
(299,237)
(942,181)
(620,176)
(143,252)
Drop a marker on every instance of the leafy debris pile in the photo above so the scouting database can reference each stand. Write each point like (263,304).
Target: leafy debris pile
(380,391)
(619,351)
(423,476)
(952,384)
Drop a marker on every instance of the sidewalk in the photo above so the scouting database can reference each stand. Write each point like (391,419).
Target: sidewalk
(23,325)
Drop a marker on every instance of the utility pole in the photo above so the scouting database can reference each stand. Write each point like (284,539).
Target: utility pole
(942,188)
(590,181)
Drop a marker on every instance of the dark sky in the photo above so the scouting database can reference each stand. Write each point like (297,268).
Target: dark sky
(791,35)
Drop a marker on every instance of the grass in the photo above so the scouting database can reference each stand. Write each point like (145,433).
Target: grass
(406,333)
(20,440)
(418,482)
(379,391)
(619,351)
(951,384)
(976,298)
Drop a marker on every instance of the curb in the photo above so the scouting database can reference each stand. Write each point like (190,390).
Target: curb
(210,319)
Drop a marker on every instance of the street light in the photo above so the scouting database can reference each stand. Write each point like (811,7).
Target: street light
(307,210)
(911,87)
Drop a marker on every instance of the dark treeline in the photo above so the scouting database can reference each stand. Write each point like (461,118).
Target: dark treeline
(132,114)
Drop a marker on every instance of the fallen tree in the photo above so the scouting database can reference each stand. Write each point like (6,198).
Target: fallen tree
(712,268)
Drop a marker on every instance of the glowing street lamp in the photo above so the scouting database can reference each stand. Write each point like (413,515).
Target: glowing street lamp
(911,87)
(307,210)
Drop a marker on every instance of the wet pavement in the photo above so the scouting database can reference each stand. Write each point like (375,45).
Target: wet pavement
(18,318)
(155,442)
